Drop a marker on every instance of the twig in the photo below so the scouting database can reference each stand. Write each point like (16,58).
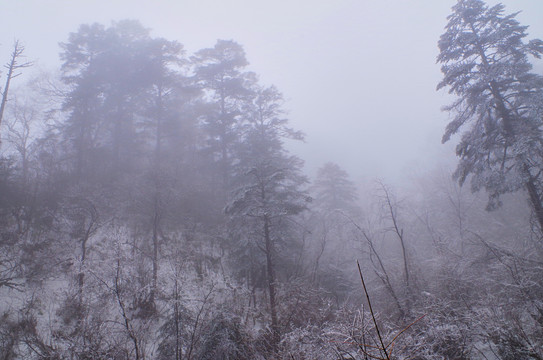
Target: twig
(371,311)
(407,327)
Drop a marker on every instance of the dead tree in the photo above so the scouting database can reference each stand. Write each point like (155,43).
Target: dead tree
(393,215)
(13,66)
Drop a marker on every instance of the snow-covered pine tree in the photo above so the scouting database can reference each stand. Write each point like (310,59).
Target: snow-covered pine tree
(334,190)
(484,59)
(270,189)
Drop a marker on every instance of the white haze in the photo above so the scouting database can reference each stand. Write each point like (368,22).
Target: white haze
(359,76)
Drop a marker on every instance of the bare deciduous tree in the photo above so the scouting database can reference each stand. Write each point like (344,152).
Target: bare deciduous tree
(13,66)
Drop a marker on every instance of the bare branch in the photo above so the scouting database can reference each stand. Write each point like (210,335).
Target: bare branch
(13,65)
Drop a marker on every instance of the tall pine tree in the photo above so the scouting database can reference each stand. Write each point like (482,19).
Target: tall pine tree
(269,189)
(484,59)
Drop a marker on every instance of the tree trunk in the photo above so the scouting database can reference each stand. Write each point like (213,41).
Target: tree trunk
(176,320)
(535,199)
(271,283)
(81,275)
(156,224)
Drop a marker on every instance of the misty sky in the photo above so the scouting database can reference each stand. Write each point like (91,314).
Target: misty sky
(359,76)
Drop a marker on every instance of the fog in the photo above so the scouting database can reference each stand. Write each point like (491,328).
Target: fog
(212,180)
(359,76)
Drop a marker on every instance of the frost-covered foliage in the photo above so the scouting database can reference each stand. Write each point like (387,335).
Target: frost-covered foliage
(159,215)
(225,339)
(485,64)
